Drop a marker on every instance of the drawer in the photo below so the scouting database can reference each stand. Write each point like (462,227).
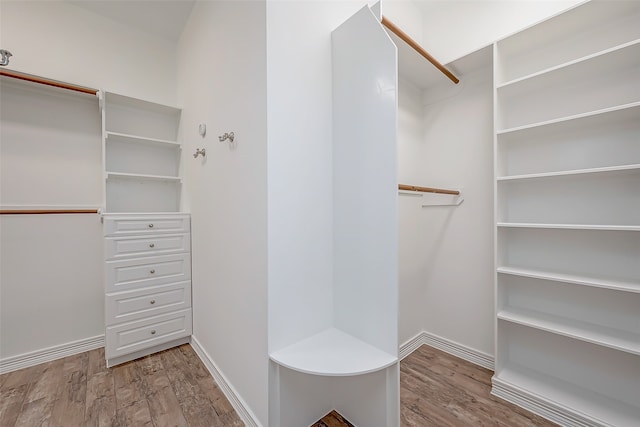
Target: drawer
(124,225)
(136,273)
(134,336)
(135,305)
(161,244)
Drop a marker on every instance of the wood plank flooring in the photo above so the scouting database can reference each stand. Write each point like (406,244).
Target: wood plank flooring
(438,389)
(441,390)
(173,388)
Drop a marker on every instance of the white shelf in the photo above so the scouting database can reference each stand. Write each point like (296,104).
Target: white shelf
(602,409)
(141,139)
(610,169)
(618,108)
(333,353)
(587,28)
(602,227)
(584,331)
(619,285)
(605,81)
(139,104)
(138,176)
(596,56)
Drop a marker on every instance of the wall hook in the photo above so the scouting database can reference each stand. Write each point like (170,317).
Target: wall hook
(4,57)
(199,152)
(227,135)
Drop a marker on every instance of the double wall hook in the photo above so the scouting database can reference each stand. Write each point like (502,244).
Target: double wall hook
(227,135)
(4,57)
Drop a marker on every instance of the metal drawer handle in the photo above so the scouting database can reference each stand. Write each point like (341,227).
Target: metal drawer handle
(153,332)
(151,245)
(152,302)
(152,271)
(150,225)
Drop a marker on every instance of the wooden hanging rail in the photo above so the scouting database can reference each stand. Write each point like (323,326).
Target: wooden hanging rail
(45,81)
(46,211)
(411,42)
(427,189)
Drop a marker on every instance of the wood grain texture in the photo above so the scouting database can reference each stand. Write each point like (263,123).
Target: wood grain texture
(173,388)
(438,389)
(333,419)
(441,390)
(167,389)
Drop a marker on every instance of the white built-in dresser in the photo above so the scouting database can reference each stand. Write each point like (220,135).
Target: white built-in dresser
(147,241)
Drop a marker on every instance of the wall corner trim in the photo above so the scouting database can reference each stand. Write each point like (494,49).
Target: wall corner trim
(241,407)
(469,354)
(49,354)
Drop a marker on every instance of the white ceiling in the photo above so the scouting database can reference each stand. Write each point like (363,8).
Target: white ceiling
(163,18)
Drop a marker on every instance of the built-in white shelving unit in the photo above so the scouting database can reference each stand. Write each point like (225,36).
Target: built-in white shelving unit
(567,183)
(142,155)
(147,240)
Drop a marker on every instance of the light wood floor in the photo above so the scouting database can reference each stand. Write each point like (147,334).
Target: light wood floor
(173,388)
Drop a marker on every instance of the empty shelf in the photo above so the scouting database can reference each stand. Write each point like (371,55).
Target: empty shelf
(333,353)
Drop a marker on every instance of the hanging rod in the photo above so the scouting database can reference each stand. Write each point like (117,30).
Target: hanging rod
(411,42)
(45,81)
(46,211)
(427,189)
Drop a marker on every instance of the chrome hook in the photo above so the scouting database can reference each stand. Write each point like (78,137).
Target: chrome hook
(199,152)
(4,57)
(227,135)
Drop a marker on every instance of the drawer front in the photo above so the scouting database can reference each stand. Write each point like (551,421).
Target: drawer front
(130,225)
(133,336)
(135,305)
(138,273)
(161,244)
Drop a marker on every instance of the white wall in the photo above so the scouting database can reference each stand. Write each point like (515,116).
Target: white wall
(222,82)
(61,41)
(454,28)
(51,283)
(52,272)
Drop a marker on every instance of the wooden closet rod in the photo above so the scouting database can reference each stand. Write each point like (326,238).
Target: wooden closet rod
(45,81)
(427,189)
(411,42)
(46,211)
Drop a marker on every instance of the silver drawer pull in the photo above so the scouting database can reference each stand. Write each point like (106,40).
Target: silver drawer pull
(150,225)
(152,271)
(152,302)
(153,332)
(151,245)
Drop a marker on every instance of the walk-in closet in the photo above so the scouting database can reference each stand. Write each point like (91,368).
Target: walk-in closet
(310,213)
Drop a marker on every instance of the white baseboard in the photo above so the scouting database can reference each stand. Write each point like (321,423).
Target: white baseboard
(45,355)
(469,354)
(552,411)
(245,414)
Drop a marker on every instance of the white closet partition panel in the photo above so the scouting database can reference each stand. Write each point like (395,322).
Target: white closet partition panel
(365,91)
(352,366)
